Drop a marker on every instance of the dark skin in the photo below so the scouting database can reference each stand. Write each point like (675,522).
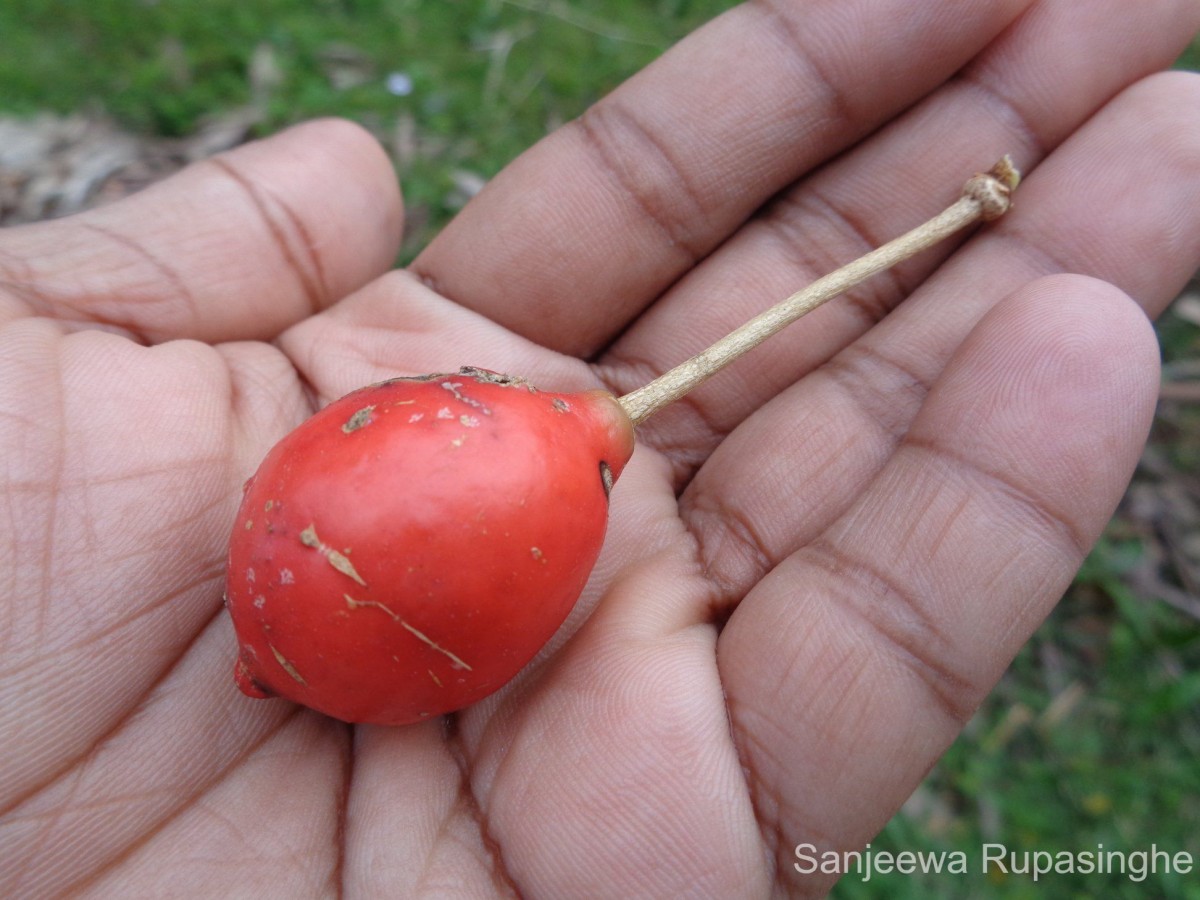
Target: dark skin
(817,565)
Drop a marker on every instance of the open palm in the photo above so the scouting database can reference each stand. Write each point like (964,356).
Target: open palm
(817,565)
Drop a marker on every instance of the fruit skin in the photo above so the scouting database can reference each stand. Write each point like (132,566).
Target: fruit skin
(408,549)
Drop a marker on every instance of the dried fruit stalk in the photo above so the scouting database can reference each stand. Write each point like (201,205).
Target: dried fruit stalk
(985,197)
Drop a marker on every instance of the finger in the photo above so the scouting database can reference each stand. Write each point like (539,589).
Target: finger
(827,436)
(411,817)
(603,215)
(854,664)
(236,247)
(1027,93)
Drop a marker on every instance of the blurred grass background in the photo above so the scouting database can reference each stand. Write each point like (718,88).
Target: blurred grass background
(1092,738)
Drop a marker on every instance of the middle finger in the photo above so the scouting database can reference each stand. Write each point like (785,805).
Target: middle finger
(607,212)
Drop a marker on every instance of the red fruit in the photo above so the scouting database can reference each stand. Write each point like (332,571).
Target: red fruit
(408,549)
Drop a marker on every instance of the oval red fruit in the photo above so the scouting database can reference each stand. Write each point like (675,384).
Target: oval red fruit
(408,549)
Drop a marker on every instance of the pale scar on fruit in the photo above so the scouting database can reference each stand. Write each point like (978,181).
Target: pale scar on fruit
(453,388)
(606,478)
(457,661)
(308,537)
(286,666)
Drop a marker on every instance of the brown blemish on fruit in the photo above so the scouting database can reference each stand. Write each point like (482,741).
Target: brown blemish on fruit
(249,524)
(286,665)
(308,537)
(483,376)
(560,404)
(268,506)
(457,661)
(433,376)
(358,420)
(537,554)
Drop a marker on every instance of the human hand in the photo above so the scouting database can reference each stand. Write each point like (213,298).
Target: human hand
(817,565)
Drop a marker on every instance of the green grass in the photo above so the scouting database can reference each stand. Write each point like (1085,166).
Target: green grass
(488,77)
(1093,736)
(475,64)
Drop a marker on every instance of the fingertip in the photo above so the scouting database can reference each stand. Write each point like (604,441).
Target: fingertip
(1080,334)
(345,169)
(1053,391)
(347,146)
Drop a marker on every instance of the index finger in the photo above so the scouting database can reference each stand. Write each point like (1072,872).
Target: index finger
(583,231)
